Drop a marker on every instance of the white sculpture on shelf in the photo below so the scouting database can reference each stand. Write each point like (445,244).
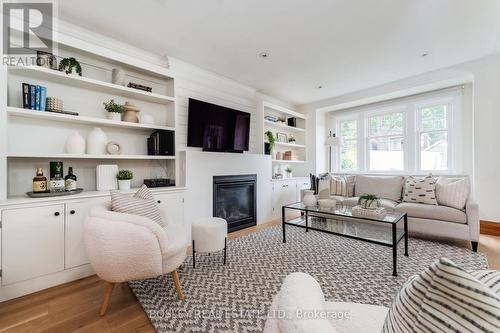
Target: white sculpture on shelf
(97,141)
(75,144)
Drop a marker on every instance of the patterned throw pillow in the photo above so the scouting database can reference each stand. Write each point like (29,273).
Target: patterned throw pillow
(420,190)
(142,203)
(338,186)
(452,192)
(444,298)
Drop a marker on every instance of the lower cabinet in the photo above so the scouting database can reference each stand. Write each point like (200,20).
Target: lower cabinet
(286,192)
(32,242)
(174,204)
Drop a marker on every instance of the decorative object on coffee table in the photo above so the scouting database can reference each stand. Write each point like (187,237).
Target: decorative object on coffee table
(113,148)
(115,110)
(378,213)
(96,142)
(309,198)
(70,66)
(124,178)
(130,113)
(75,144)
(369,201)
(327,203)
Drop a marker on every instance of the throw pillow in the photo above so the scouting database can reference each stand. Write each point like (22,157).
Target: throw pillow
(324,187)
(141,203)
(350,180)
(420,190)
(452,192)
(445,298)
(338,186)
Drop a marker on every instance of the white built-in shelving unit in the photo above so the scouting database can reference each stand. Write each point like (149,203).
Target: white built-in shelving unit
(31,139)
(298,132)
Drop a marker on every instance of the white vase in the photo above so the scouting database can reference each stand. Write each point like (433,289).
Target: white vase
(97,142)
(115,116)
(75,144)
(309,198)
(289,175)
(124,185)
(117,76)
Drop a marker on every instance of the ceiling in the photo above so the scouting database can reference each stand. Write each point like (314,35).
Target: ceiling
(341,45)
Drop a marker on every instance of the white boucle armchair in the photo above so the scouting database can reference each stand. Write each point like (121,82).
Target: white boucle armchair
(124,247)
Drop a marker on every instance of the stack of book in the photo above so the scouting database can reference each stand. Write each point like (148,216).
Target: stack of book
(34,97)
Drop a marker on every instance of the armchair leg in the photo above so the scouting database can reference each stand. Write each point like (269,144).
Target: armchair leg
(177,283)
(474,246)
(107,296)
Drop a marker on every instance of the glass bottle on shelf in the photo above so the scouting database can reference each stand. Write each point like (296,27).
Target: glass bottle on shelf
(70,180)
(39,182)
(56,177)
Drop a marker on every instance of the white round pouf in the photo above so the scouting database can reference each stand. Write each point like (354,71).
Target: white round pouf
(209,235)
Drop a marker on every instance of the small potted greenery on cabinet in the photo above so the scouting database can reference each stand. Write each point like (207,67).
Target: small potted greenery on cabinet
(114,110)
(124,177)
(288,171)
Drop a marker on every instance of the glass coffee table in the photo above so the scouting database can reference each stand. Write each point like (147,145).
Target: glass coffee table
(340,221)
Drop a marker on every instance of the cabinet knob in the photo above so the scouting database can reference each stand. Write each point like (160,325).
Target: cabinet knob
(72,212)
(56,214)
(159,201)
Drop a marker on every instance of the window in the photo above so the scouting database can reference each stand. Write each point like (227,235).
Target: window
(433,137)
(385,142)
(349,149)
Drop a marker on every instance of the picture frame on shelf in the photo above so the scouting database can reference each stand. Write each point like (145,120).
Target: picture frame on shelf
(46,60)
(281,137)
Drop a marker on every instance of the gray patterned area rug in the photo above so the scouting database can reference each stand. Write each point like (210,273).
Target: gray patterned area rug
(236,297)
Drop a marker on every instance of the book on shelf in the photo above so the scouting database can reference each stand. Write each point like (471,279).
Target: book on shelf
(37,98)
(34,97)
(43,98)
(26,96)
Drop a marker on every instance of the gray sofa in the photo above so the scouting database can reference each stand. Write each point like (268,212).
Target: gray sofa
(437,220)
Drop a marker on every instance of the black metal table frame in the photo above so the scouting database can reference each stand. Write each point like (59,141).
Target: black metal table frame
(395,239)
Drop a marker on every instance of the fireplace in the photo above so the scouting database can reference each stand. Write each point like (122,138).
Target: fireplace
(235,200)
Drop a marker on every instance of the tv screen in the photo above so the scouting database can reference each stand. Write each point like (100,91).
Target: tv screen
(217,128)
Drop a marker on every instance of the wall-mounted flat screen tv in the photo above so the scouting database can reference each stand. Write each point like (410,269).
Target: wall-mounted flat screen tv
(217,128)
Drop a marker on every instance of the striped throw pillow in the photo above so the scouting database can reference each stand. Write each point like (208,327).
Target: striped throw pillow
(420,190)
(444,298)
(141,203)
(338,186)
(452,192)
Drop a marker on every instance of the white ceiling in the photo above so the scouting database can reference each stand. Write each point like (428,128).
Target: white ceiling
(343,45)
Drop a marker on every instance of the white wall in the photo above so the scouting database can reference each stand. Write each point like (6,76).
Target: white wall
(483,112)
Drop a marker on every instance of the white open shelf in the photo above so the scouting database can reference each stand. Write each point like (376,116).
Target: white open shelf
(284,144)
(283,126)
(44,115)
(288,161)
(88,156)
(88,83)
(282,111)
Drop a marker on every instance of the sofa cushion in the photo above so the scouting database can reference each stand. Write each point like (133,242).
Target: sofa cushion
(338,185)
(452,192)
(387,187)
(142,203)
(301,292)
(324,187)
(420,190)
(386,203)
(432,212)
(445,298)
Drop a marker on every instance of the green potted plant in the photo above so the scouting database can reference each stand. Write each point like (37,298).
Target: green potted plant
(269,145)
(114,110)
(291,139)
(289,171)
(369,201)
(68,65)
(124,177)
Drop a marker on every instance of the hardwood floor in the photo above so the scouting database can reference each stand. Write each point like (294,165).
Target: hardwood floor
(74,307)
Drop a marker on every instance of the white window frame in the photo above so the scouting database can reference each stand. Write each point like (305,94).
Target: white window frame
(339,150)
(367,137)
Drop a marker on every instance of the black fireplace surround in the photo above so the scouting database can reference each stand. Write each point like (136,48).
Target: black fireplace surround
(235,200)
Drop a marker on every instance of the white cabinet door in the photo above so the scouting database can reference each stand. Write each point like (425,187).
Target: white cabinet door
(174,204)
(284,193)
(32,242)
(76,213)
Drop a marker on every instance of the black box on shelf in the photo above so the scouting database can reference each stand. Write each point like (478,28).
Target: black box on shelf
(162,143)
(292,122)
(159,182)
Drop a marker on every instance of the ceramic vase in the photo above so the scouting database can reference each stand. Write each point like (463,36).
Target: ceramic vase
(130,113)
(309,198)
(75,144)
(97,141)
(124,185)
(114,116)
(118,76)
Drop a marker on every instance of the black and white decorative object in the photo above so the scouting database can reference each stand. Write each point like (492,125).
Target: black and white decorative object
(139,87)
(114,148)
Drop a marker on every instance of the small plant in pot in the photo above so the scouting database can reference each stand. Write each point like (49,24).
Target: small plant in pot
(369,201)
(114,110)
(291,139)
(289,171)
(269,146)
(70,66)
(124,177)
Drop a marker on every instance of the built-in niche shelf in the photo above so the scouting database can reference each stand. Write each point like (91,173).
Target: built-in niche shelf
(42,73)
(288,161)
(290,145)
(89,156)
(44,115)
(283,126)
